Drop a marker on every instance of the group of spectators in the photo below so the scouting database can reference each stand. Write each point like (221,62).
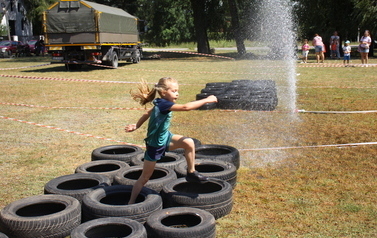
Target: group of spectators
(320,49)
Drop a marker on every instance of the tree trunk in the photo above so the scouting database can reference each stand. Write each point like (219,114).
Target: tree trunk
(200,23)
(236,27)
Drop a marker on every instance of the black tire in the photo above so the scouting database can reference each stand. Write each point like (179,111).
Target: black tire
(52,216)
(202,96)
(110,227)
(116,152)
(261,104)
(208,106)
(169,160)
(213,90)
(212,169)
(114,60)
(230,101)
(217,84)
(76,185)
(137,57)
(112,202)
(182,151)
(181,222)
(2,235)
(108,168)
(159,178)
(218,152)
(214,196)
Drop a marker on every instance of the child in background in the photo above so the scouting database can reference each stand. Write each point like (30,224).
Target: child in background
(305,51)
(159,139)
(347,53)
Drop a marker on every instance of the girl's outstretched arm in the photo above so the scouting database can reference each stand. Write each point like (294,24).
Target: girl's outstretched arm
(193,105)
(140,122)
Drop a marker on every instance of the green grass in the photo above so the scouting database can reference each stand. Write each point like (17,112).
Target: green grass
(305,192)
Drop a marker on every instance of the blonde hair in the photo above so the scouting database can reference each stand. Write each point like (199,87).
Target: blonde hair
(145,95)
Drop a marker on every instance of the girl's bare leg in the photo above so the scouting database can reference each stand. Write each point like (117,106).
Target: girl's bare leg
(148,169)
(188,145)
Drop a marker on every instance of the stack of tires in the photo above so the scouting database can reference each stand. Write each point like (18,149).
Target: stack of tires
(243,94)
(93,201)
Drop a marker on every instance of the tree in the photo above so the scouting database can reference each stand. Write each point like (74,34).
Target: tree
(35,8)
(200,22)
(325,17)
(236,27)
(365,13)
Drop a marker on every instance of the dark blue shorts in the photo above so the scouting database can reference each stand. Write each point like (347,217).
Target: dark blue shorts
(153,153)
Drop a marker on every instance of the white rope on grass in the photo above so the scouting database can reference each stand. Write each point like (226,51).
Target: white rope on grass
(337,112)
(142,146)
(312,146)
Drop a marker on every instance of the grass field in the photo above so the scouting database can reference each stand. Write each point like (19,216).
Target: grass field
(290,184)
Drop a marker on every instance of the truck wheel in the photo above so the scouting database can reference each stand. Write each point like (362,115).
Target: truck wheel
(136,59)
(114,60)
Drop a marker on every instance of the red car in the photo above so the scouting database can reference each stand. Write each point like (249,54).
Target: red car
(31,44)
(7,47)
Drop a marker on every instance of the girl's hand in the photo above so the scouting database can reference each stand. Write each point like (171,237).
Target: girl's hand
(130,128)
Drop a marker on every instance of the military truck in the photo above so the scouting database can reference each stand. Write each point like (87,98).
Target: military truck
(79,32)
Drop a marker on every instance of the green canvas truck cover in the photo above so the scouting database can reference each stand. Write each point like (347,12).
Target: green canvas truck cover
(75,17)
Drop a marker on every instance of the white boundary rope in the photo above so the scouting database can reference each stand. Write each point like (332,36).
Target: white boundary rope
(25,67)
(49,107)
(326,65)
(122,142)
(312,146)
(68,131)
(221,110)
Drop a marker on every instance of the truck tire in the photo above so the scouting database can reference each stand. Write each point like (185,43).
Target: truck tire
(137,57)
(114,60)
(181,222)
(110,227)
(218,152)
(215,196)
(116,152)
(112,201)
(169,160)
(76,185)
(52,216)
(108,168)
(159,178)
(212,169)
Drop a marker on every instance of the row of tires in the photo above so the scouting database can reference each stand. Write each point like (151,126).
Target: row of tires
(93,201)
(243,94)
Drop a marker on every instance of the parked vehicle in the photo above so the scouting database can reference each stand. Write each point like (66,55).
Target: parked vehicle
(83,32)
(7,47)
(31,44)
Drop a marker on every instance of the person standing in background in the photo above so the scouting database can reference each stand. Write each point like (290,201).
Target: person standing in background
(318,46)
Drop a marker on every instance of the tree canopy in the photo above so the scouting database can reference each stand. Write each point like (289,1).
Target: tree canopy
(176,21)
